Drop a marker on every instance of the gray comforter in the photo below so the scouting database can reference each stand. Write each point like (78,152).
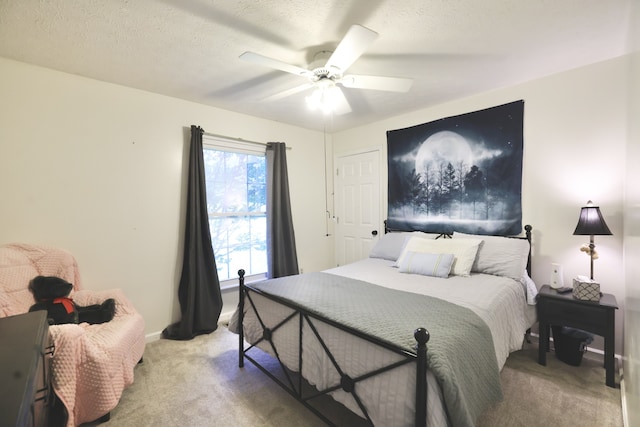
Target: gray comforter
(460,352)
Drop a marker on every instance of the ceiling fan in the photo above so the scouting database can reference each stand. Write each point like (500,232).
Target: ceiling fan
(327,73)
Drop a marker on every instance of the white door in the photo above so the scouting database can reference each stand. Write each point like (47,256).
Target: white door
(357,205)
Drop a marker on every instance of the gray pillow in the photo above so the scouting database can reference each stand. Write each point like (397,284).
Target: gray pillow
(390,245)
(426,264)
(500,256)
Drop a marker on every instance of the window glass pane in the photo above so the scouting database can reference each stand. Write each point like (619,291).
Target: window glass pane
(218,228)
(235,182)
(259,244)
(236,167)
(214,164)
(259,231)
(239,232)
(256,169)
(240,257)
(257,197)
(235,196)
(215,196)
(222,264)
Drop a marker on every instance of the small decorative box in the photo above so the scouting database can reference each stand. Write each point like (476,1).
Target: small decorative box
(586,289)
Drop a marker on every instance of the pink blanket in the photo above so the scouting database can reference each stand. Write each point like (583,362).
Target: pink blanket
(91,364)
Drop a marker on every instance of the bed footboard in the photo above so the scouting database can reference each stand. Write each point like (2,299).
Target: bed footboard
(296,387)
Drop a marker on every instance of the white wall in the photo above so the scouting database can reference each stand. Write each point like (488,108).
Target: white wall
(574,150)
(100,170)
(631,390)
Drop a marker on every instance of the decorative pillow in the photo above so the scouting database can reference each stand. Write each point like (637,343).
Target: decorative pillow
(500,256)
(464,251)
(390,245)
(426,264)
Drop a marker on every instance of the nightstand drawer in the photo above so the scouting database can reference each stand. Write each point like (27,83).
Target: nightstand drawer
(580,315)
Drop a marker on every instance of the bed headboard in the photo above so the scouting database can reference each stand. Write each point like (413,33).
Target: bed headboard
(527,236)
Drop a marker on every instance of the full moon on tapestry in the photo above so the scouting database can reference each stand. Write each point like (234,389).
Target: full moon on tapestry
(460,173)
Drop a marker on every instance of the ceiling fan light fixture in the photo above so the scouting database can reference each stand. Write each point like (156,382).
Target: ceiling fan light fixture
(324,97)
(328,68)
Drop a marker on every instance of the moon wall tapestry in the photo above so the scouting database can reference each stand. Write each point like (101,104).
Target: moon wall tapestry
(461,173)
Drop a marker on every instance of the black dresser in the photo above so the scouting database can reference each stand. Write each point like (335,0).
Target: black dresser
(25,391)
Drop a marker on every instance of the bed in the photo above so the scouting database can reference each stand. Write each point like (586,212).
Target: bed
(416,334)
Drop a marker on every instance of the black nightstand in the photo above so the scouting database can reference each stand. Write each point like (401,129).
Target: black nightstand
(597,317)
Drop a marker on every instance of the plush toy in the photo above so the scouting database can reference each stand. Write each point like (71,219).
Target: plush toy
(587,249)
(52,294)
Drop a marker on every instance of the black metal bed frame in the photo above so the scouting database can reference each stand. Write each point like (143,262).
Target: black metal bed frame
(347,383)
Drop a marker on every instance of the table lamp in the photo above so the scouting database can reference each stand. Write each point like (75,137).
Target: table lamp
(591,224)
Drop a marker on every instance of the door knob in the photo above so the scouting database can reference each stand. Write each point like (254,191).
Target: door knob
(374,233)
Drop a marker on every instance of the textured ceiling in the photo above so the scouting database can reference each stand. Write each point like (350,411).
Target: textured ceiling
(189,48)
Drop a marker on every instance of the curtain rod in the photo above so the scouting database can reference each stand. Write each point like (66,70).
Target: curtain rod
(238,139)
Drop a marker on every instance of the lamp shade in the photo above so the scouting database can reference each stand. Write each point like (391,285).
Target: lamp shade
(591,222)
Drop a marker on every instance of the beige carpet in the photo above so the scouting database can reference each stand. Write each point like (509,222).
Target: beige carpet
(198,383)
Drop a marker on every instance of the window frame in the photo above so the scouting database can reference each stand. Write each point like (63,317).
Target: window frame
(221,143)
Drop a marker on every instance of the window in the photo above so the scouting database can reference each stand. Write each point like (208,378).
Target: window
(236,180)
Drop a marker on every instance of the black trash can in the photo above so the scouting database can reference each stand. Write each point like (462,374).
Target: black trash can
(570,344)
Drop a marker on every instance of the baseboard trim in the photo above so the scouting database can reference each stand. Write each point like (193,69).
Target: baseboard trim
(592,350)
(154,336)
(623,400)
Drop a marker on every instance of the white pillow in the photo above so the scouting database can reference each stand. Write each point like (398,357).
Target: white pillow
(500,256)
(390,245)
(426,264)
(464,251)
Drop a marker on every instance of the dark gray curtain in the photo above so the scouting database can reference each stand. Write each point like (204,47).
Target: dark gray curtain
(282,259)
(199,290)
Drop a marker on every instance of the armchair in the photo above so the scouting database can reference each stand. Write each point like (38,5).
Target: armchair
(91,364)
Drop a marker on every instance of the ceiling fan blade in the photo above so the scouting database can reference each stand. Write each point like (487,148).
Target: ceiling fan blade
(256,58)
(288,92)
(390,84)
(341,104)
(354,43)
